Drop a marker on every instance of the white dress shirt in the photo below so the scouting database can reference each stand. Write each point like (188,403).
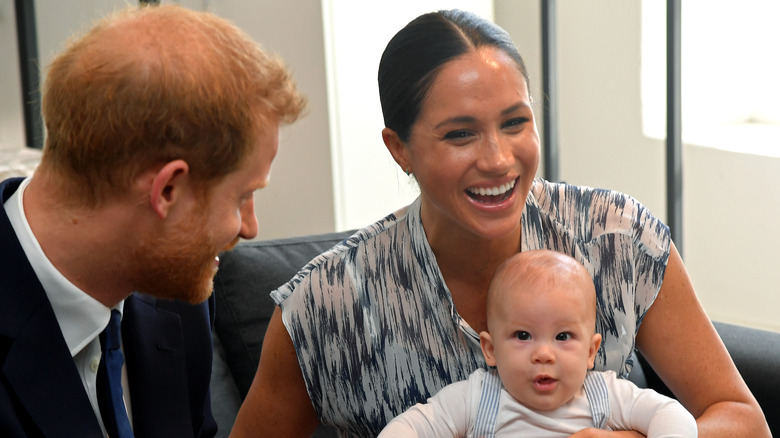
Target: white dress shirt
(81,318)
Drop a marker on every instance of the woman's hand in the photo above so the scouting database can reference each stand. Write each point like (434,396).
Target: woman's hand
(592,432)
(681,344)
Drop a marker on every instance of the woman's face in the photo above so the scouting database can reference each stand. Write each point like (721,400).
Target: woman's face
(474,149)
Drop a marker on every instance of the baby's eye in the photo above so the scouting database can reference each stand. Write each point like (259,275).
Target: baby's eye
(565,336)
(523,335)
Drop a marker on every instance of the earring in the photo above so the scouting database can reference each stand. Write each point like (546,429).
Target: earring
(408,172)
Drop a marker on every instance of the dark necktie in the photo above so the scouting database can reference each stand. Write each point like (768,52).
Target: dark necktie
(109,381)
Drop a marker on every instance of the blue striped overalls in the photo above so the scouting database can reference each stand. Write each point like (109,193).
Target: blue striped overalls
(485,423)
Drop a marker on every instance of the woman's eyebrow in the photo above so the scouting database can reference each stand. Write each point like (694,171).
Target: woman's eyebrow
(515,107)
(457,119)
(470,119)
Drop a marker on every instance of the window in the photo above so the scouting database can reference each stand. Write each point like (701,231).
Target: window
(730,74)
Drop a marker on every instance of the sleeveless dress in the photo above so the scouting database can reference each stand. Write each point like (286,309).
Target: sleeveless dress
(375,328)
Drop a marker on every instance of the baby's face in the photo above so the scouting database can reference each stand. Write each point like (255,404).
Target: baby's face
(542,342)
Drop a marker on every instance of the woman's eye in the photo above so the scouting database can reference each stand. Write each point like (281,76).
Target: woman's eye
(563,336)
(457,135)
(523,336)
(516,122)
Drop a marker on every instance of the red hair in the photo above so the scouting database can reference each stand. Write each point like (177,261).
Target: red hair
(149,85)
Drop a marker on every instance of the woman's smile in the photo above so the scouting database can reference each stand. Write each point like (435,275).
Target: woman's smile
(492,195)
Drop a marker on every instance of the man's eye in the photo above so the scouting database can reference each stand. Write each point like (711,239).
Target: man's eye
(523,336)
(563,336)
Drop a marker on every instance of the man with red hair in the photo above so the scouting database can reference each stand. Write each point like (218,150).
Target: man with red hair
(161,123)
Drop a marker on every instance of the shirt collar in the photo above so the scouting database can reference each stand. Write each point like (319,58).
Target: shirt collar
(81,318)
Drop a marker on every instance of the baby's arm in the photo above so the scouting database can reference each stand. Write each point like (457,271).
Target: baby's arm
(447,413)
(648,412)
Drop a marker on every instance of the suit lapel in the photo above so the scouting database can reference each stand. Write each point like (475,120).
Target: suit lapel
(156,369)
(38,366)
(42,373)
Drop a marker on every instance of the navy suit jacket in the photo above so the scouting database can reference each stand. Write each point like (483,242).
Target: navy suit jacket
(167,348)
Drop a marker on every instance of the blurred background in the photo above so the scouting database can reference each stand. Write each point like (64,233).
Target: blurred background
(333,172)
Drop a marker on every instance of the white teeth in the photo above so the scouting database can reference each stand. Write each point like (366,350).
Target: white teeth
(493,191)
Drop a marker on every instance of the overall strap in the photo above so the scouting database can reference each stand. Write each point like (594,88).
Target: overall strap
(598,398)
(485,422)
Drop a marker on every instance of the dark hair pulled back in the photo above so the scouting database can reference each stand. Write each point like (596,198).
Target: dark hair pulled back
(415,54)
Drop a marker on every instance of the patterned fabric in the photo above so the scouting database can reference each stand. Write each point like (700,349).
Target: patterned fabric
(375,327)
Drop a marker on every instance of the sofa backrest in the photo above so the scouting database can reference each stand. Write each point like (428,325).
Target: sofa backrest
(246,276)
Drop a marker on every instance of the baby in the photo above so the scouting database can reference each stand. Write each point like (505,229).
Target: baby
(540,344)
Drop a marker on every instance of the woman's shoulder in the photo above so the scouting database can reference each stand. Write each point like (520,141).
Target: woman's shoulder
(586,207)
(379,231)
(588,213)
(561,195)
(365,243)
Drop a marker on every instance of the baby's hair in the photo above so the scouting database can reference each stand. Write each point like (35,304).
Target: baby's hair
(542,268)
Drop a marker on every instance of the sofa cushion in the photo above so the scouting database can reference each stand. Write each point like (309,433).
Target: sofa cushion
(246,276)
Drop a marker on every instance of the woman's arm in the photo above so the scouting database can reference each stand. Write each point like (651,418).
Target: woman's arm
(681,344)
(277,403)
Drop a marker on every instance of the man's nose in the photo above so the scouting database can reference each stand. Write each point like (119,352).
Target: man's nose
(248,221)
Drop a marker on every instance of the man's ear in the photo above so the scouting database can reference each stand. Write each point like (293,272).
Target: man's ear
(595,343)
(397,149)
(167,187)
(486,343)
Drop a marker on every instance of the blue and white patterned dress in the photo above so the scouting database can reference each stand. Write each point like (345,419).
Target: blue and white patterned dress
(375,327)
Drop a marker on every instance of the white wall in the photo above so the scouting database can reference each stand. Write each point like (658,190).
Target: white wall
(732,211)
(731,201)
(299,198)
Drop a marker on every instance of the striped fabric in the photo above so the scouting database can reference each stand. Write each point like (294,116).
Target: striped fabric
(598,397)
(375,327)
(485,420)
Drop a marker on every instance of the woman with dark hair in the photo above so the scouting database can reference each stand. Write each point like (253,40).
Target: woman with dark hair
(390,316)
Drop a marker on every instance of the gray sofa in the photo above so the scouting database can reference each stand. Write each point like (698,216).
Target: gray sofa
(253,269)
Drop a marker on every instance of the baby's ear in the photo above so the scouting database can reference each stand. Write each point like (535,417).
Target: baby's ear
(595,343)
(487,348)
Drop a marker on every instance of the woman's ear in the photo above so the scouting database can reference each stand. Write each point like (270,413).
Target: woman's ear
(486,343)
(168,185)
(397,149)
(595,343)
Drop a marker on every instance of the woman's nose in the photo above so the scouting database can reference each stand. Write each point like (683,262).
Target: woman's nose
(496,156)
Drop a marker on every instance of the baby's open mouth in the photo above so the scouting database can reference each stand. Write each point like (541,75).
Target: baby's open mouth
(492,195)
(545,380)
(545,383)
